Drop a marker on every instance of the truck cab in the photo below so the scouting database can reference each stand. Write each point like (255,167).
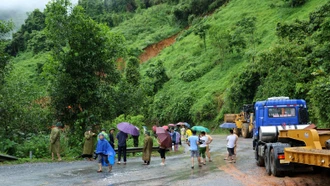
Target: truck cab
(284,141)
(279,111)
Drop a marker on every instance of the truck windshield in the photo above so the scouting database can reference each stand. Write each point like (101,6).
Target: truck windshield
(281,112)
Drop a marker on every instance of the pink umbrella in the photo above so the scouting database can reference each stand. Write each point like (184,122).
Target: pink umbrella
(181,123)
(164,137)
(165,127)
(171,125)
(154,128)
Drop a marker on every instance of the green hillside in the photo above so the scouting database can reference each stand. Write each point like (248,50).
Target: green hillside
(209,89)
(227,53)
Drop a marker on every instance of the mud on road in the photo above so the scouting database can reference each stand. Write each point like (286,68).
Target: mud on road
(177,171)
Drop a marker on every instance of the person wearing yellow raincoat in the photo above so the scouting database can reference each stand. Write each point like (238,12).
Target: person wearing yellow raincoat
(55,137)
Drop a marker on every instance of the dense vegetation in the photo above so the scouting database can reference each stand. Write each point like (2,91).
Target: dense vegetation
(61,65)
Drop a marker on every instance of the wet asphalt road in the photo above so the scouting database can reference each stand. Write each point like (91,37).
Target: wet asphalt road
(176,172)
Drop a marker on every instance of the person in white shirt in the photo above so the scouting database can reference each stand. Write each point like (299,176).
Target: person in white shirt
(202,147)
(231,143)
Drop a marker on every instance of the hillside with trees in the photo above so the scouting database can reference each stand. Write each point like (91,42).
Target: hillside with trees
(80,65)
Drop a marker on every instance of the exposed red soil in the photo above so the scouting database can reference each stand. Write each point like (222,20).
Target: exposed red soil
(154,49)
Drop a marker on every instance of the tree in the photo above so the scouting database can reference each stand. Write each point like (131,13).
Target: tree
(34,22)
(5,28)
(157,74)
(86,53)
(132,73)
(220,39)
(200,29)
(295,3)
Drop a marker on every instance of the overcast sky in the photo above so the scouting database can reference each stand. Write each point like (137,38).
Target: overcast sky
(25,5)
(16,9)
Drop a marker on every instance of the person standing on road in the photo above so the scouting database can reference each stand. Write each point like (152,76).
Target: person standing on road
(112,138)
(193,143)
(188,133)
(209,141)
(202,147)
(55,137)
(135,142)
(235,143)
(231,141)
(106,136)
(88,144)
(103,149)
(183,133)
(147,148)
(175,139)
(122,138)
(162,151)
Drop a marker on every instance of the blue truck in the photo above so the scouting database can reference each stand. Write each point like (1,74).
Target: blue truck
(271,117)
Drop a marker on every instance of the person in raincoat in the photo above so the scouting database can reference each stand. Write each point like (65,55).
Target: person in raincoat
(183,133)
(106,136)
(147,149)
(103,150)
(188,133)
(89,144)
(55,137)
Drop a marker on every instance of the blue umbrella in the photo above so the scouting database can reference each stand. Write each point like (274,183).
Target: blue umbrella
(228,125)
(187,125)
(200,129)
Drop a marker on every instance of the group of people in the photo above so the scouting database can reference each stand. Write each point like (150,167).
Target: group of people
(121,137)
(199,146)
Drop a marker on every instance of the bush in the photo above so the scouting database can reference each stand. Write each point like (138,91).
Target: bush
(295,3)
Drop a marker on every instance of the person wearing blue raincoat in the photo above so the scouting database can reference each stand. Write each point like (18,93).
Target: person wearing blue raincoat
(104,150)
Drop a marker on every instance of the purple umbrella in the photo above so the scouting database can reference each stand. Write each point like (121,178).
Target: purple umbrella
(128,128)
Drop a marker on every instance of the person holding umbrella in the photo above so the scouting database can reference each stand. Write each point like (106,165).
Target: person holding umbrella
(124,129)
(164,140)
(122,138)
(162,152)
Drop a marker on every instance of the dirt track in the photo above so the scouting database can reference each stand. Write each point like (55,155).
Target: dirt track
(176,172)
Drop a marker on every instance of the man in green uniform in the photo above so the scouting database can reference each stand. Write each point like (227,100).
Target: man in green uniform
(55,136)
(89,144)
(147,148)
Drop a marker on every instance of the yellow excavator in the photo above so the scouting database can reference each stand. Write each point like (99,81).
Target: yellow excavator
(243,121)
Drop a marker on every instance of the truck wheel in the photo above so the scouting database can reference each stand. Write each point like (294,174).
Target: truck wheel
(245,130)
(267,163)
(272,162)
(260,160)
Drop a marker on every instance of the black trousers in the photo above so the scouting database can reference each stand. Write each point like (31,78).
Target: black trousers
(122,151)
(162,152)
